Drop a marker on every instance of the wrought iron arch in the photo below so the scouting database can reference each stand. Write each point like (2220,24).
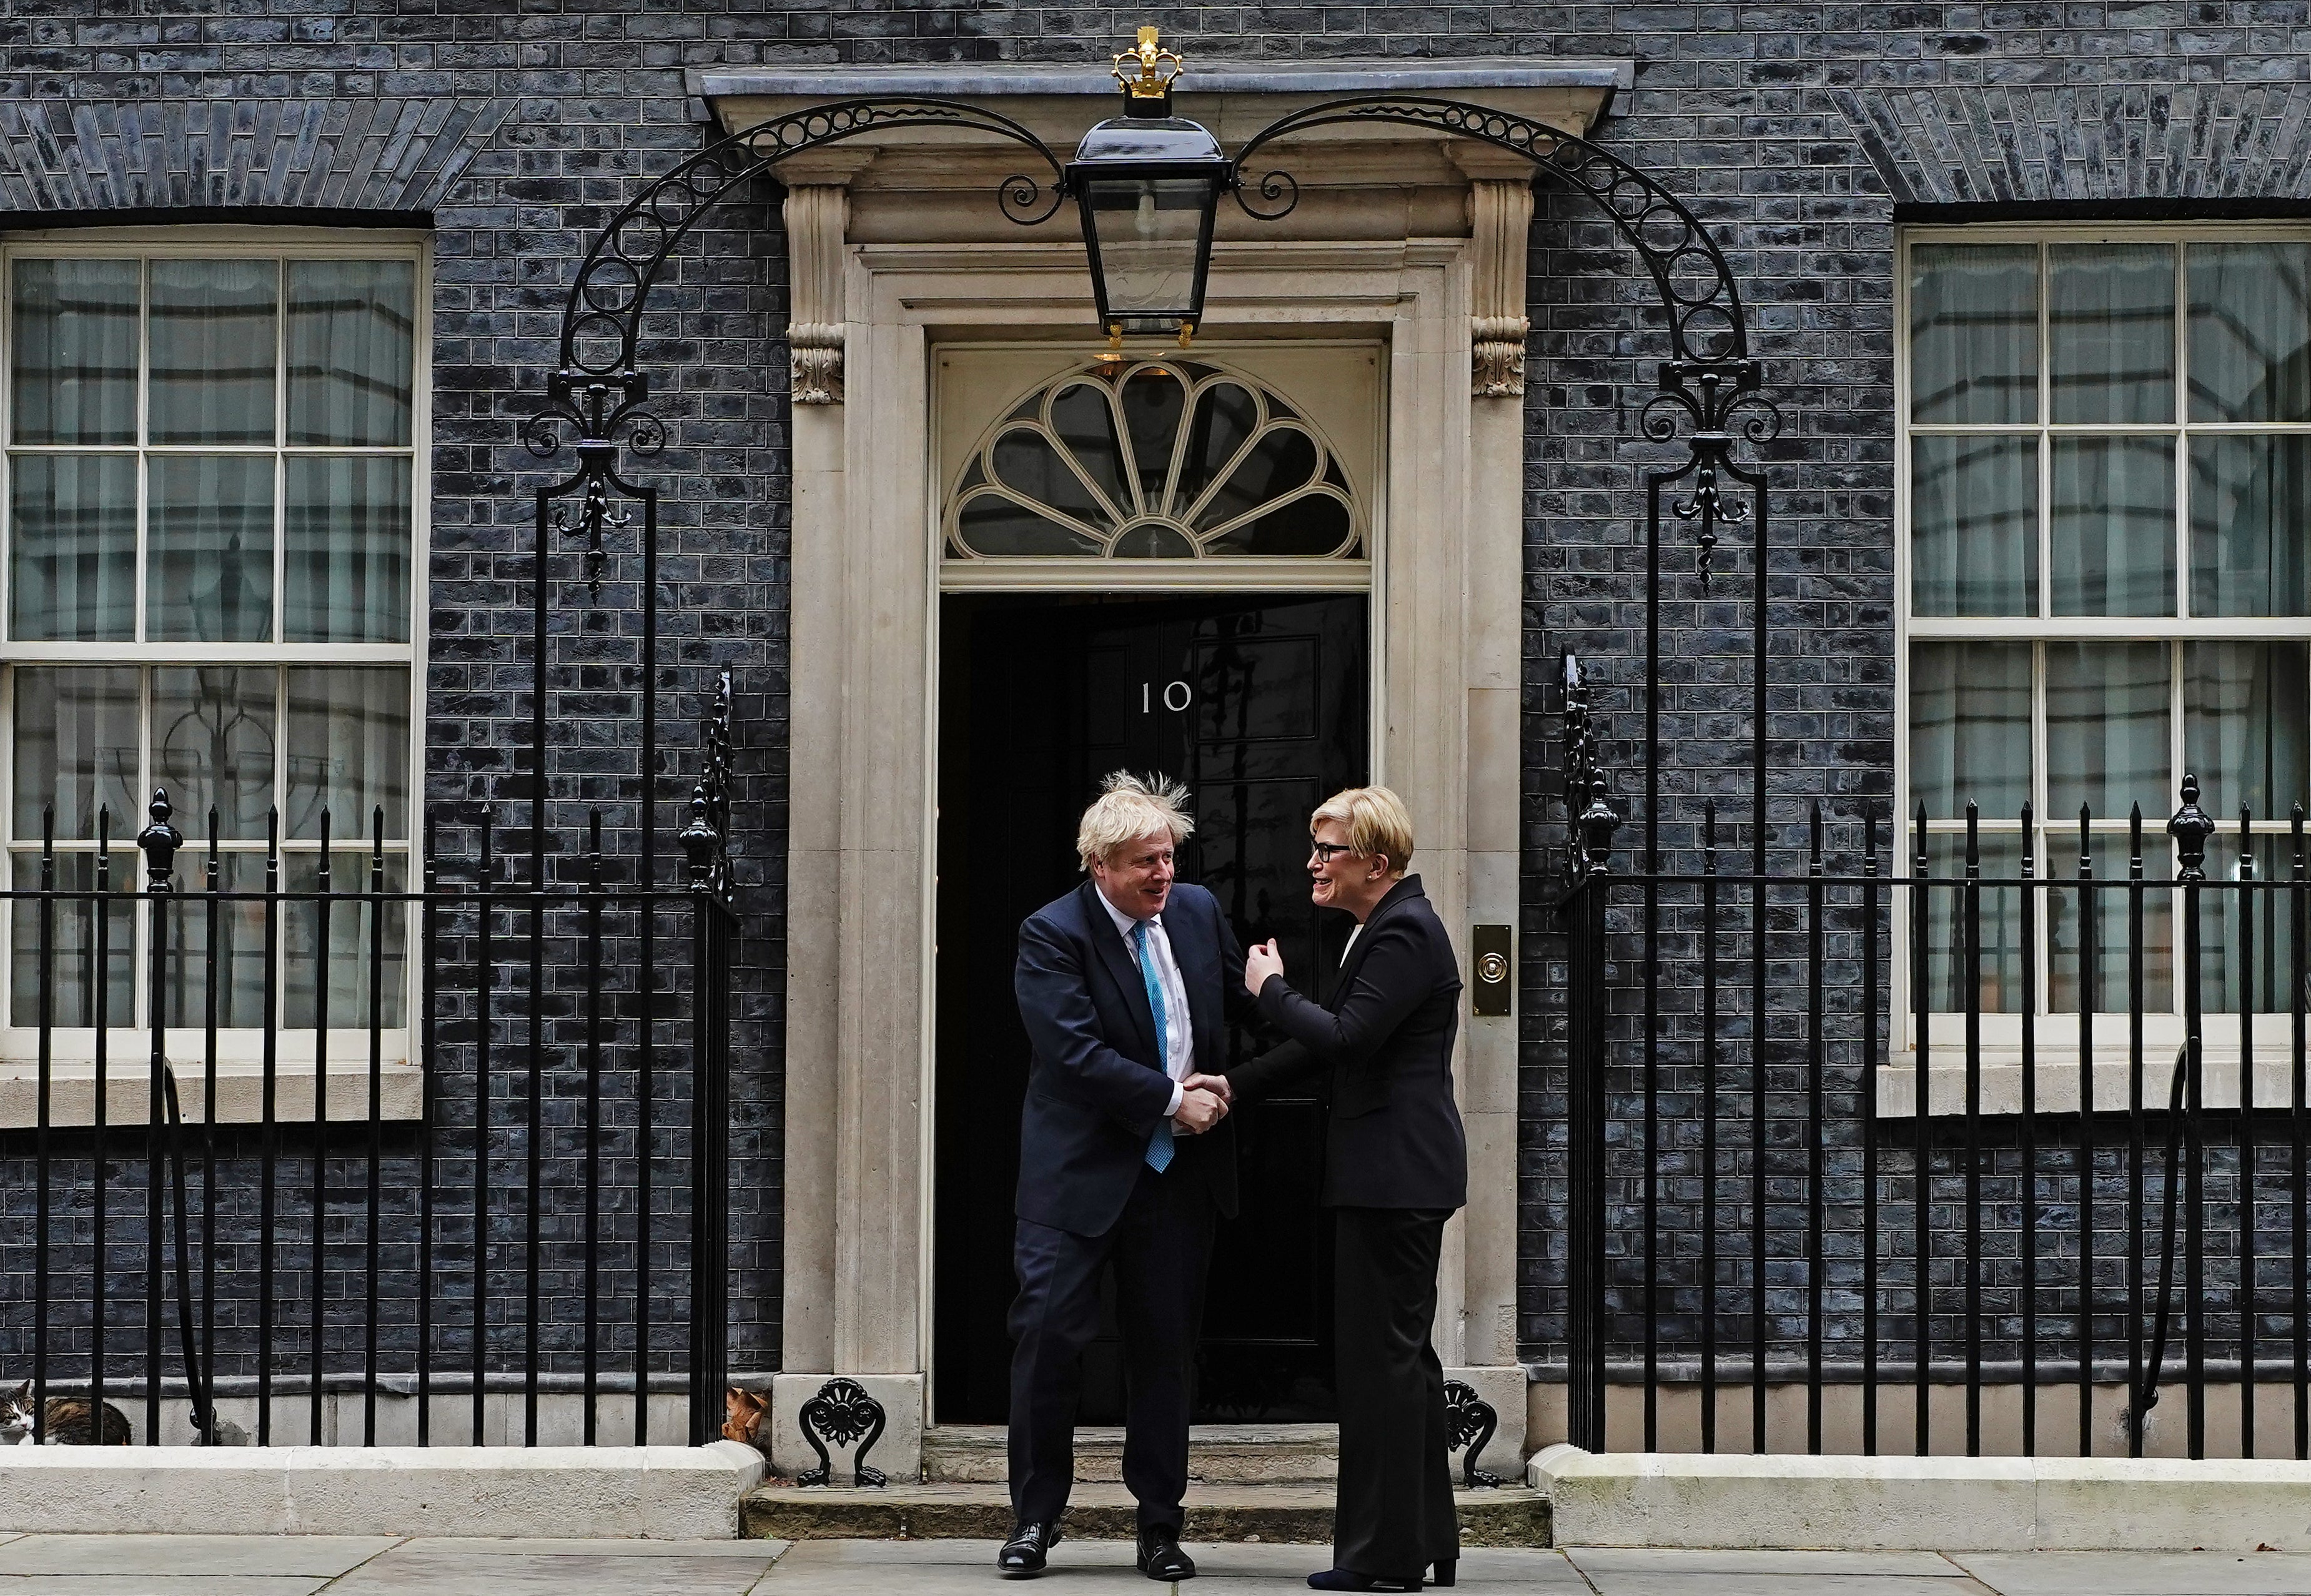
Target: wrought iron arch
(594,393)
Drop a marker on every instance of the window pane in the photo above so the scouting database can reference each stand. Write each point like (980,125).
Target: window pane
(2114,527)
(212,349)
(2247,530)
(2106,725)
(76,749)
(1970,727)
(213,729)
(352,335)
(2250,332)
(2246,717)
(72,557)
(2223,955)
(348,550)
(2111,913)
(1974,527)
(1974,333)
(72,953)
(75,354)
(348,750)
(348,942)
(209,571)
(2110,332)
(1950,969)
(239,967)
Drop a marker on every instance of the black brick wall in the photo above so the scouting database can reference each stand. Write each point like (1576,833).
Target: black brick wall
(1794,130)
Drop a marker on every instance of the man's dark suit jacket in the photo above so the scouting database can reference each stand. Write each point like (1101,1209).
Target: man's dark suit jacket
(1095,1084)
(1394,1137)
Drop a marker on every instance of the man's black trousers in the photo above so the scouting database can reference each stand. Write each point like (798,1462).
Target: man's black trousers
(1160,1247)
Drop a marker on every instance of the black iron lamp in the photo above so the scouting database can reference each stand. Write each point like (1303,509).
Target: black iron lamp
(1147,183)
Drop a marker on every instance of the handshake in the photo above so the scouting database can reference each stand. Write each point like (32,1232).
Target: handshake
(1204,1101)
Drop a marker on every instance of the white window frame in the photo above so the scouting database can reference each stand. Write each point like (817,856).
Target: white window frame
(240,1050)
(2057,1033)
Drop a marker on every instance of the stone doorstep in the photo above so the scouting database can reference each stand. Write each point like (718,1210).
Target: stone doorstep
(1217,1454)
(671,1493)
(1736,1501)
(1509,1516)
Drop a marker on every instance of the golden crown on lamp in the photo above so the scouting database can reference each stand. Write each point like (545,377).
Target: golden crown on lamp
(1155,67)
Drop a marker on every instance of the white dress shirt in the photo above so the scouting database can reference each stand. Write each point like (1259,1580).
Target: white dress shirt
(1179,1031)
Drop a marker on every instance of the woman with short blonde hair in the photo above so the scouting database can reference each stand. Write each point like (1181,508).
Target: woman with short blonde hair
(1378,824)
(1396,1167)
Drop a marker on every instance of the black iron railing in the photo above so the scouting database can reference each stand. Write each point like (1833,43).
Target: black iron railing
(518,1228)
(2088,1204)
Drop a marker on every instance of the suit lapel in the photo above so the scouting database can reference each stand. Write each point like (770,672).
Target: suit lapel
(1117,957)
(1407,888)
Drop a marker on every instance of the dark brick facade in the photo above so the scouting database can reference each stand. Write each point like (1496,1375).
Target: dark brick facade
(1794,130)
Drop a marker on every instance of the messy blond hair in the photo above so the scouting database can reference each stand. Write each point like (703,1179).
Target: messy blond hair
(1377,821)
(1127,808)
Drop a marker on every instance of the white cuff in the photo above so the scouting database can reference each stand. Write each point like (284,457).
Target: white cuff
(1179,1094)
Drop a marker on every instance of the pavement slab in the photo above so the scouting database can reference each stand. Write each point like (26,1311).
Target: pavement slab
(1275,1570)
(454,1568)
(242,1556)
(1640,1572)
(1690,1563)
(1105,1569)
(2139,1573)
(159,1585)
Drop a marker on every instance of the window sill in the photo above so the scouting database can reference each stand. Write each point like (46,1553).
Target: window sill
(240,1078)
(2057,1069)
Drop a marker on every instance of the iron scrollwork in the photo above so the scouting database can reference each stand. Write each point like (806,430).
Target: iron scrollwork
(598,387)
(599,390)
(1711,382)
(842,1413)
(1471,1421)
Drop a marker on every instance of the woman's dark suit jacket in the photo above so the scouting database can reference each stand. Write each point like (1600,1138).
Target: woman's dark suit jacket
(1394,1139)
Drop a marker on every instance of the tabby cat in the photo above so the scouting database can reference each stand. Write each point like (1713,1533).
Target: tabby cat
(68,1421)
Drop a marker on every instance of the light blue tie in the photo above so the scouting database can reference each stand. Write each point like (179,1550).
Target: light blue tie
(1159,1146)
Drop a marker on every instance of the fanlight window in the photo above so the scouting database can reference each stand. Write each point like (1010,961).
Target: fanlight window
(1174,460)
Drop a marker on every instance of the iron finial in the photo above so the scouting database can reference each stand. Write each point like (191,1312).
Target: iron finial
(159,840)
(2191,826)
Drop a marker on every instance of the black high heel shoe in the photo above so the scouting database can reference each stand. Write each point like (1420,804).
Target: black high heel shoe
(1444,1571)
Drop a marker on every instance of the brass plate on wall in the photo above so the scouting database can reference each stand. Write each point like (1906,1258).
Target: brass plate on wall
(1495,961)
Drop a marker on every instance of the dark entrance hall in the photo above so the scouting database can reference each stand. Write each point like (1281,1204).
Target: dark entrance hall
(1259,705)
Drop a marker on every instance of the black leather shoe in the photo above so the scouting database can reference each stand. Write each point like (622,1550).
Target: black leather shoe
(1342,1579)
(1160,1557)
(1028,1549)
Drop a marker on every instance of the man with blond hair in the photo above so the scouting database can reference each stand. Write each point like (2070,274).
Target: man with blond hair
(1124,1160)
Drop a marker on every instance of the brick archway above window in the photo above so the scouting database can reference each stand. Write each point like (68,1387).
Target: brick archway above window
(383,155)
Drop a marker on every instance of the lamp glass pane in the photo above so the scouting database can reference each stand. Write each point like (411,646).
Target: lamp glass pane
(1150,230)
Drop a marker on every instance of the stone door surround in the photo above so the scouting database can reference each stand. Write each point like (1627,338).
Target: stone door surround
(897,244)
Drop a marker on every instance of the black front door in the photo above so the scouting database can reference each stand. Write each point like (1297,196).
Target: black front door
(1258,704)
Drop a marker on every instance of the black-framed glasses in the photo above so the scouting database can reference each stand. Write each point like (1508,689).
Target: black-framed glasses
(1325,850)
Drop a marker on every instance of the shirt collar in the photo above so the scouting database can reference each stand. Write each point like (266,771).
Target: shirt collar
(1124,923)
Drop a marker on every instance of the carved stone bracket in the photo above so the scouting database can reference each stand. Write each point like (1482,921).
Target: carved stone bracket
(817,212)
(1500,214)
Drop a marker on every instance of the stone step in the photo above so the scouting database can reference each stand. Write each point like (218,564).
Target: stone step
(1510,1515)
(1217,1454)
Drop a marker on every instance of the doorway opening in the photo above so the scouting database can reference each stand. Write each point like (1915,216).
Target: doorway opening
(1259,705)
